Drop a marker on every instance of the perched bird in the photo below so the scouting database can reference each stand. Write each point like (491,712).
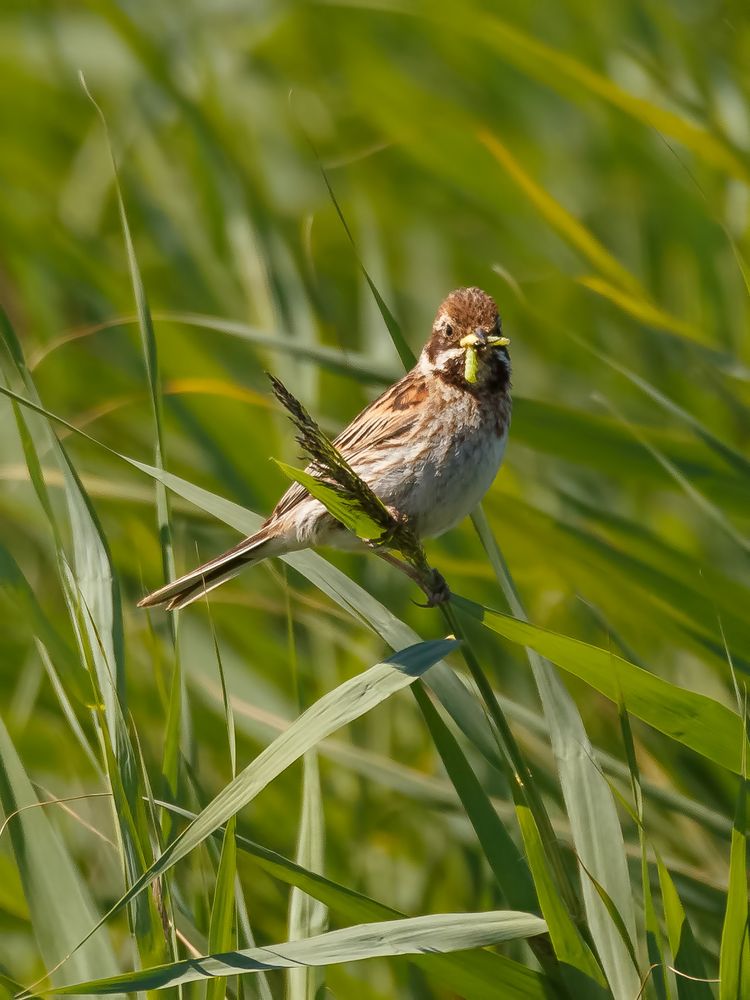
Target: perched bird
(429,447)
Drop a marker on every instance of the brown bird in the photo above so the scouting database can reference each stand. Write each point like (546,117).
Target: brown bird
(429,447)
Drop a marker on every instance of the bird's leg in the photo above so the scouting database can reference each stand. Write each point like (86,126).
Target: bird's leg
(434,585)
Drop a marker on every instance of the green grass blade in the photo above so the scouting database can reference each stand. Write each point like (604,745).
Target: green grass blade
(701,723)
(349,701)
(344,509)
(686,956)
(404,351)
(91,562)
(67,709)
(58,899)
(654,942)
(734,956)
(222,928)
(503,857)
(579,968)
(479,974)
(655,949)
(560,70)
(735,459)
(170,761)
(308,916)
(704,505)
(439,933)
(92,595)
(595,826)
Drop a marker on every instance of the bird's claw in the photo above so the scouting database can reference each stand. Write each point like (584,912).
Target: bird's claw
(436,590)
(399,521)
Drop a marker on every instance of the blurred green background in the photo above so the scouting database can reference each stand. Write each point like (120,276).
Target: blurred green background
(586,165)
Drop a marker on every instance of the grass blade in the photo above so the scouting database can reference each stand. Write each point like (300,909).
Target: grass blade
(479,974)
(692,984)
(579,968)
(701,723)
(734,956)
(349,701)
(503,857)
(58,899)
(440,932)
(222,934)
(597,835)
(307,916)
(559,70)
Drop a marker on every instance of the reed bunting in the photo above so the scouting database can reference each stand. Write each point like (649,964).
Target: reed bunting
(429,447)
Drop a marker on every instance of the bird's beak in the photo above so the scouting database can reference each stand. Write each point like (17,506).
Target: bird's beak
(481,339)
(476,339)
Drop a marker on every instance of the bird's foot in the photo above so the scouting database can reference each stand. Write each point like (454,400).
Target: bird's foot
(399,520)
(436,590)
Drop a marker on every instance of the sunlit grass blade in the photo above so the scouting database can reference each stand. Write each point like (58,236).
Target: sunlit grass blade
(439,933)
(617,284)
(614,915)
(479,974)
(92,595)
(344,509)
(349,701)
(701,723)
(642,309)
(560,70)
(560,219)
(170,761)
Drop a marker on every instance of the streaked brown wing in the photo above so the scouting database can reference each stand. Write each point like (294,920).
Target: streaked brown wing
(382,424)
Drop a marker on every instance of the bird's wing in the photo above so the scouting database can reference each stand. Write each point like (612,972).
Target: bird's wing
(383,425)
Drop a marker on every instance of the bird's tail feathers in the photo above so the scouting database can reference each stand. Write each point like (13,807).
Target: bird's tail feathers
(193,585)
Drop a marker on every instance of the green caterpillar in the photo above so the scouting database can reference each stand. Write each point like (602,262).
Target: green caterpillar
(471,365)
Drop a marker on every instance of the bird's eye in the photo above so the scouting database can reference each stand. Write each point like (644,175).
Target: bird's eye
(448,330)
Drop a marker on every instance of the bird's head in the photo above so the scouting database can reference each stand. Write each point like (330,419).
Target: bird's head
(467,346)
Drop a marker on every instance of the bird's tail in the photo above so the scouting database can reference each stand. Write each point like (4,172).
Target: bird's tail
(188,588)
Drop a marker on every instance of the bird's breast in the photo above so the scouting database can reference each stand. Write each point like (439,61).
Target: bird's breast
(450,462)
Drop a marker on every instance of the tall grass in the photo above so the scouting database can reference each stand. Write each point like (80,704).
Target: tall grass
(560,808)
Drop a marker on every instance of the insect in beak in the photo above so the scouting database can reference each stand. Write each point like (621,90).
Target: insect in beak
(481,339)
(471,342)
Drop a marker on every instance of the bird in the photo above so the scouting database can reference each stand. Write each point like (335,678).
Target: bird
(429,447)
